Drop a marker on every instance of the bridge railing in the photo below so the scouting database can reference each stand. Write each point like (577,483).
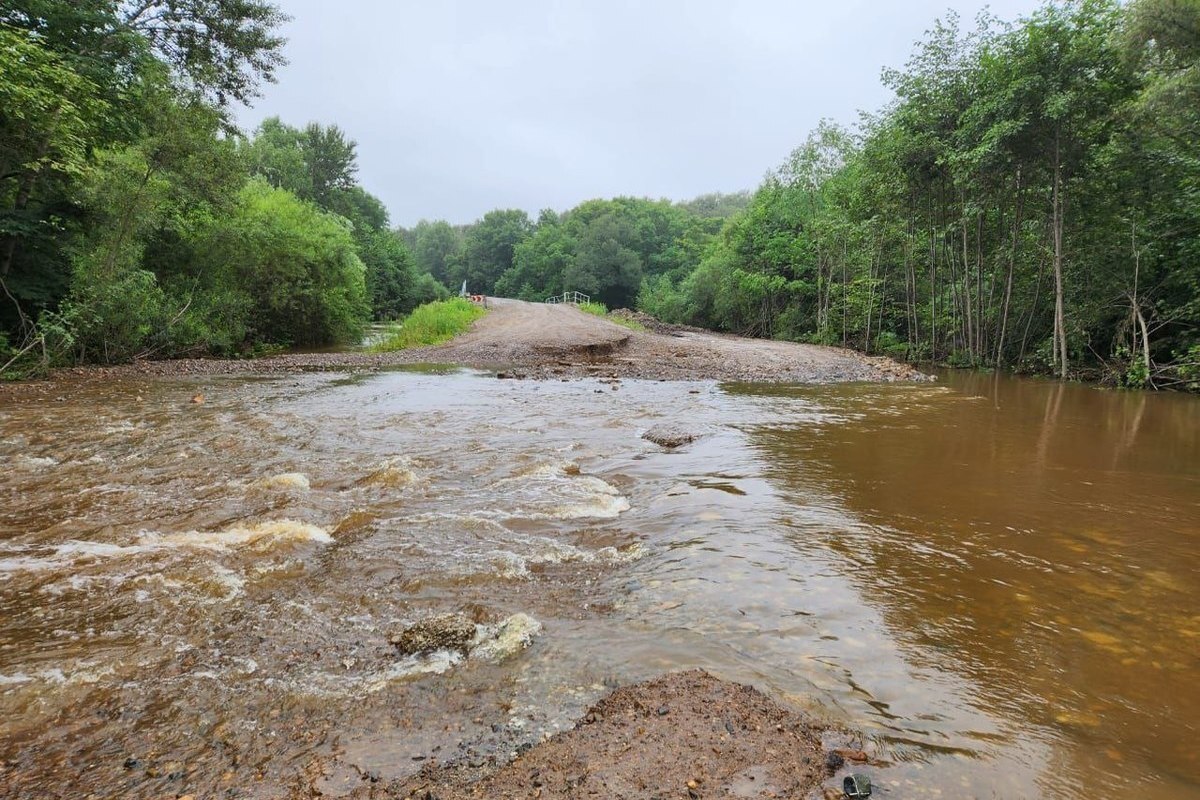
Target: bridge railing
(574,298)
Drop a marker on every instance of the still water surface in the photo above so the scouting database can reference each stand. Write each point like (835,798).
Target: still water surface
(997,580)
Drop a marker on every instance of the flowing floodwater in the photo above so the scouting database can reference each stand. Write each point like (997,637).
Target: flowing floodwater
(996,580)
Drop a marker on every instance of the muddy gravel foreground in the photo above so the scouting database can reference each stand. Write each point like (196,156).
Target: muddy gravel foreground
(682,735)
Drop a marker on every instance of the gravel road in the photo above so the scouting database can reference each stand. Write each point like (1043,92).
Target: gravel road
(535,340)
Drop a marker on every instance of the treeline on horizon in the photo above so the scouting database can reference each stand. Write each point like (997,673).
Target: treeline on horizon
(1030,200)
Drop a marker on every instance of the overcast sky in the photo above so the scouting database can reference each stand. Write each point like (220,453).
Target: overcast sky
(462,107)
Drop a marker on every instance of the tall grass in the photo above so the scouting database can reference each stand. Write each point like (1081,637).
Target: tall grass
(601,310)
(431,323)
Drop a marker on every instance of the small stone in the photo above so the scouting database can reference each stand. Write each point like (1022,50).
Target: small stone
(834,761)
(197,399)
(663,711)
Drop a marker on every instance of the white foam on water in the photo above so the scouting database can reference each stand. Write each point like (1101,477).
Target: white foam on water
(69,553)
(492,643)
(496,643)
(74,553)
(557,490)
(393,473)
(259,536)
(227,582)
(286,481)
(505,563)
(330,684)
(34,463)
(83,672)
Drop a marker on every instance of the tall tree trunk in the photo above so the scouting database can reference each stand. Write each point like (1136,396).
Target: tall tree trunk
(1137,305)
(1060,327)
(968,329)
(1012,263)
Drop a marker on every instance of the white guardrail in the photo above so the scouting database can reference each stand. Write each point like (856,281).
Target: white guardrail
(574,298)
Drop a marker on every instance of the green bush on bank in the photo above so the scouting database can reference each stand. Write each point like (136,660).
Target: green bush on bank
(597,309)
(432,323)
(601,310)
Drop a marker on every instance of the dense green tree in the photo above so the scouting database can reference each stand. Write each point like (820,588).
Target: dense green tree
(296,264)
(318,163)
(223,50)
(1028,200)
(49,116)
(540,262)
(437,249)
(605,266)
(488,248)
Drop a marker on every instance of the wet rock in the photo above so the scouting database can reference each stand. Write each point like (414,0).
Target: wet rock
(834,761)
(669,436)
(851,755)
(443,632)
(509,637)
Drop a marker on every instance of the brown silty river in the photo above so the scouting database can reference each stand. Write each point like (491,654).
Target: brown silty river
(996,580)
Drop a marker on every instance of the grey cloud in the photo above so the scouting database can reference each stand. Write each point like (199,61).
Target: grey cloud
(460,107)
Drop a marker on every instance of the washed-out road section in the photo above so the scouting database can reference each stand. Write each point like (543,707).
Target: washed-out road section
(539,340)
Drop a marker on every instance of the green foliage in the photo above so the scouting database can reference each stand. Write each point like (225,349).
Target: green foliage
(432,323)
(1031,199)
(601,310)
(296,265)
(488,248)
(437,249)
(662,299)
(606,248)
(220,50)
(316,163)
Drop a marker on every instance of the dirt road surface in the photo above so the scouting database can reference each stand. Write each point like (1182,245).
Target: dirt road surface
(536,340)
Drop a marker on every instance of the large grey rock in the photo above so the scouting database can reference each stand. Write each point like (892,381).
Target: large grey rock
(669,436)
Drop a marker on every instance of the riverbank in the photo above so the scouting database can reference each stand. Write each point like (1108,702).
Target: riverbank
(534,340)
(681,735)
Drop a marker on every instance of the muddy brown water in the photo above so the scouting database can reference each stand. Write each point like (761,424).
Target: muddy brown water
(997,580)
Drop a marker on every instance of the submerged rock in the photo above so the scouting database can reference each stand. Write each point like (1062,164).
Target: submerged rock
(443,632)
(506,639)
(669,436)
(458,633)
